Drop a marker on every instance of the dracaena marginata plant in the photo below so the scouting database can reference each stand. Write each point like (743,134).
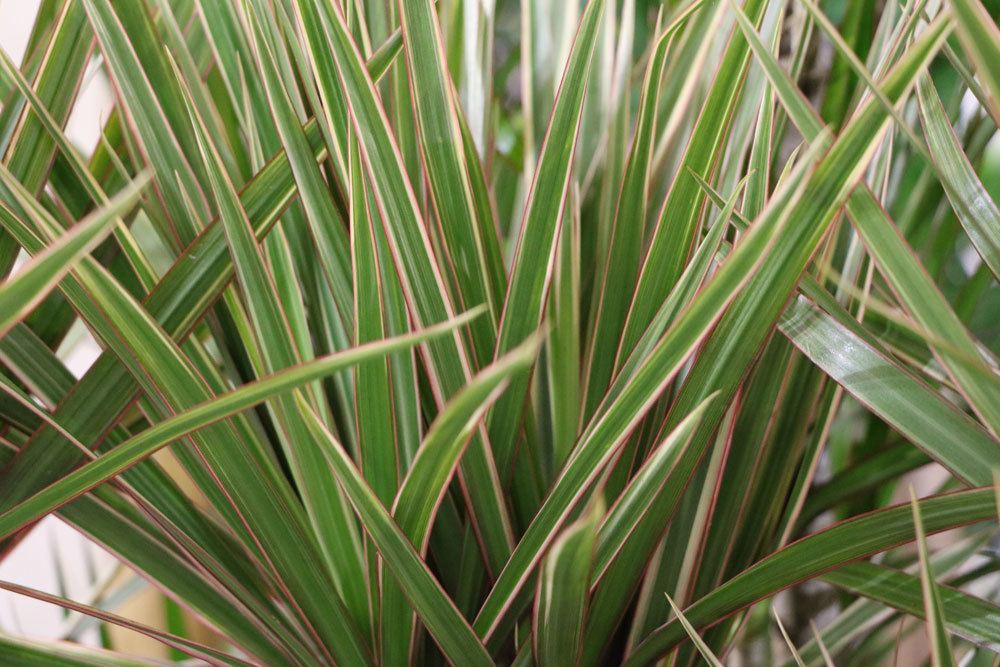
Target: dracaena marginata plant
(509,332)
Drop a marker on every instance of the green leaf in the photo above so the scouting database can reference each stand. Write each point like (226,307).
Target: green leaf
(965,615)
(937,633)
(182,61)
(174,179)
(19,652)
(628,225)
(646,484)
(186,291)
(193,283)
(470,241)
(904,273)
(136,257)
(328,512)
(264,440)
(561,599)
(601,440)
(981,40)
(419,272)
(737,339)
(696,639)
(23,292)
(813,555)
(423,489)
(101,516)
(534,259)
(29,152)
(671,244)
(328,234)
(823,330)
(450,630)
(185,646)
(141,446)
(251,481)
(681,295)
(562,353)
(377,442)
(844,351)
(973,205)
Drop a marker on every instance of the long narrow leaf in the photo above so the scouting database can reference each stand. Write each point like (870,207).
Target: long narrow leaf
(817,553)
(974,206)
(143,445)
(20,294)
(451,631)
